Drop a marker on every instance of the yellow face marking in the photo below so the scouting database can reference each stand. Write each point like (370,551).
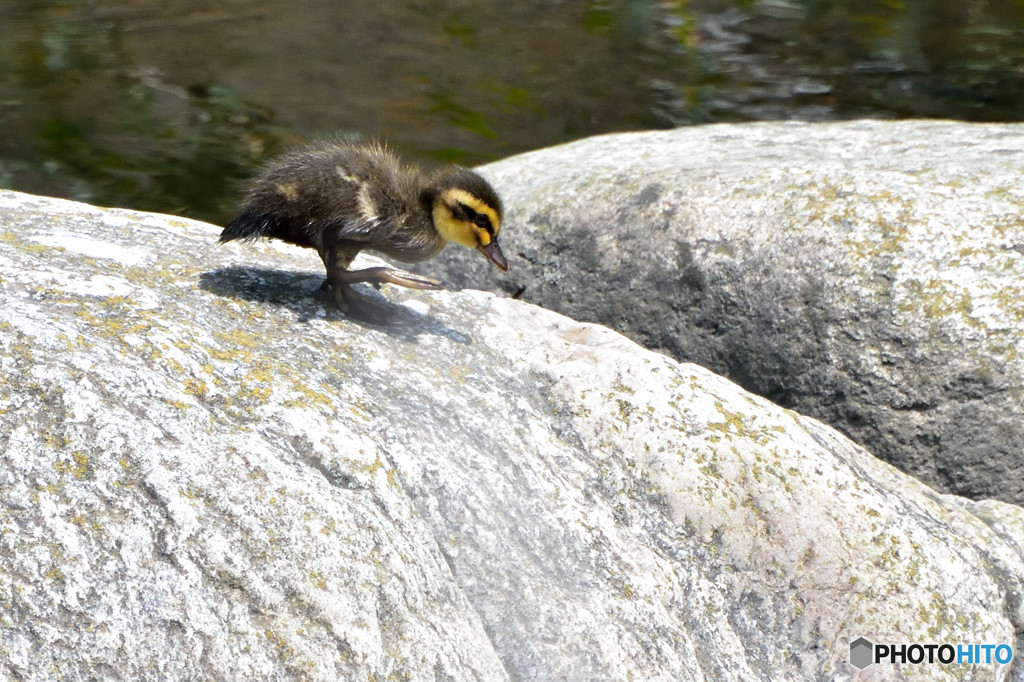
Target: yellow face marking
(459,230)
(450,229)
(289,191)
(463,197)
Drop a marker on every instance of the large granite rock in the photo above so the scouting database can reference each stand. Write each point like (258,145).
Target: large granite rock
(204,476)
(869,274)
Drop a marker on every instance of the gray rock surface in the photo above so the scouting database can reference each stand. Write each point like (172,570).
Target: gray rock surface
(869,274)
(203,475)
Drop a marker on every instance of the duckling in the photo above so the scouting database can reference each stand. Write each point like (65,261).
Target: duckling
(341,198)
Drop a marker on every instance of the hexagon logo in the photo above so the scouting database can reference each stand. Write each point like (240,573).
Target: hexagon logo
(862,653)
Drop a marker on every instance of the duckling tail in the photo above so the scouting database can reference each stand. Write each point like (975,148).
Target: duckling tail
(250,227)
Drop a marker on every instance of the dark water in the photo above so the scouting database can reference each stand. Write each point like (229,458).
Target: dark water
(167,105)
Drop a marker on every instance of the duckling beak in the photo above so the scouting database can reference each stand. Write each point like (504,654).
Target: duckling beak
(494,254)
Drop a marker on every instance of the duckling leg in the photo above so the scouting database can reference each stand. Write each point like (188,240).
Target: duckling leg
(378,276)
(336,261)
(352,303)
(337,258)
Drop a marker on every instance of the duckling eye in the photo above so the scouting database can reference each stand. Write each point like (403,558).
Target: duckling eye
(463,212)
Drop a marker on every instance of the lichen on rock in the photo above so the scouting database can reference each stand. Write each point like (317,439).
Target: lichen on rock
(207,475)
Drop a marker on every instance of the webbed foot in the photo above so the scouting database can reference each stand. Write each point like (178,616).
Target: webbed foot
(357,306)
(353,304)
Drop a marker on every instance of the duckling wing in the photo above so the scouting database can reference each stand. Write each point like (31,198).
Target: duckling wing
(301,205)
(326,193)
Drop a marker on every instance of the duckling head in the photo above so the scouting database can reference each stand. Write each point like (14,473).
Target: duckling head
(466,210)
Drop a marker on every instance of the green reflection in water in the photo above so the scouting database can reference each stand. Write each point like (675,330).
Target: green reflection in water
(168,105)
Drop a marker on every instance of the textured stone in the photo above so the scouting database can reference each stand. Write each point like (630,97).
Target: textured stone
(206,476)
(869,274)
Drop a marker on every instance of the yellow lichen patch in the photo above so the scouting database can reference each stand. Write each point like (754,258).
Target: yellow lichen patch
(317,580)
(379,465)
(39,249)
(170,363)
(890,240)
(255,393)
(239,337)
(939,299)
(310,397)
(1012,224)
(360,410)
(196,387)
(284,650)
(22,348)
(1011,300)
(737,423)
(73,344)
(263,371)
(78,467)
(112,326)
(54,574)
(222,355)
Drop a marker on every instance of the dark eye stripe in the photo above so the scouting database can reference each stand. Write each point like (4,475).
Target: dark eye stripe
(463,212)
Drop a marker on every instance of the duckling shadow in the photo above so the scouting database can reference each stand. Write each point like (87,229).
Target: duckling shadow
(300,293)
